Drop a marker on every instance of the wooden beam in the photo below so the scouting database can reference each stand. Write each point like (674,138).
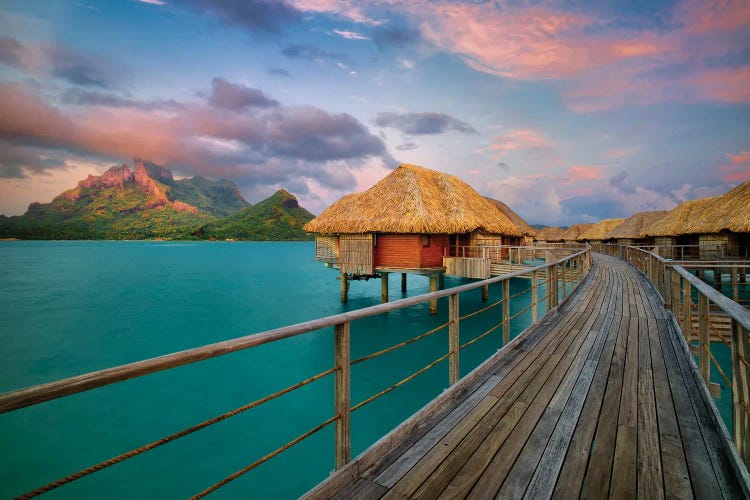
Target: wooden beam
(703,340)
(403,282)
(534,297)
(453,339)
(344,287)
(433,288)
(506,312)
(342,356)
(383,287)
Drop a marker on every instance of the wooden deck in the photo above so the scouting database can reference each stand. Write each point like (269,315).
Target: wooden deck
(598,400)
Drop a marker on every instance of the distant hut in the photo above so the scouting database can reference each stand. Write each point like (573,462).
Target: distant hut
(725,222)
(550,234)
(406,223)
(599,232)
(674,229)
(633,230)
(527,232)
(574,232)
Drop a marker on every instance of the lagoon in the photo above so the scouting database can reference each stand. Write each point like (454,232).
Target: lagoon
(68,308)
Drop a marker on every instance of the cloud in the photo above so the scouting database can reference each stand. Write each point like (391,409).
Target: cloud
(516,140)
(268,17)
(738,168)
(251,145)
(310,52)
(84,97)
(584,173)
(236,97)
(406,146)
(61,62)
(153,2)
(503,166)
(429,123)
(279,72)
(349,35)
(393,35)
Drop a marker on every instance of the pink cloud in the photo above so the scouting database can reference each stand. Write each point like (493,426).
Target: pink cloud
(715,16)
(738,168)
(516,140)
(584,173)
(726,85)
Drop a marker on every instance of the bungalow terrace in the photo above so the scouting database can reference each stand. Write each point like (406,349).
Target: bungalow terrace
(407,223)
(633,230)
(673,229)
(599,232)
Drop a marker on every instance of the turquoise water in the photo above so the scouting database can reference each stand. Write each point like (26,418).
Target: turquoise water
(68,308)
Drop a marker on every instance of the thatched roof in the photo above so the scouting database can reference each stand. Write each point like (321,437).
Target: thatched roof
(730,211)
(574,232)
(414,200)
(680,219)
(516,219)
(635,226)
(550,233)
(601,230)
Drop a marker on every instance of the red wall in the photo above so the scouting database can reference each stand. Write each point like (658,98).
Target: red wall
(405,251)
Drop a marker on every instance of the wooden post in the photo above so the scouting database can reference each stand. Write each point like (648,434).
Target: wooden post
(344,287)
(740,391)
(453,339)
(383,287)
(433,288)
(403,282)
(687,311)
(735,284)
(485,292)
(343,394)
(441,281)
(667,285)
(564,279)
(534,297)
(703,340)
(506,311)
(553,282)
(675,295)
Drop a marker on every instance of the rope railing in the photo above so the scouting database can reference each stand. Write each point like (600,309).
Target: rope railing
(559,273)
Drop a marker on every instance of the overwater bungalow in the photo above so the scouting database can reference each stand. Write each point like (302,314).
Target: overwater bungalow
(527,232)
(550,234)
(724,222)
(574,232)
(599,232)
(673,229)
(407,223)
(633,230)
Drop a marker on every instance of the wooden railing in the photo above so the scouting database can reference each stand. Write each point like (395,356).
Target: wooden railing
(677,286)
(558,277)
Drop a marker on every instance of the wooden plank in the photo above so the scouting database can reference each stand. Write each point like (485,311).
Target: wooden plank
(361,488)
(675,470)
(650,476)
(702,477)
(406,461)
(718,459)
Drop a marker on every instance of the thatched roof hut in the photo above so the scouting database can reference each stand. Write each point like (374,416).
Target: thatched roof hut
(679,220)
(516,219)
(574,232)
(635,226)
(728,212)
(550,234)
(414,200)
(600,231)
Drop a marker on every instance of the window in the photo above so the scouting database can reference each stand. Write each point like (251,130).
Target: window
(425,240)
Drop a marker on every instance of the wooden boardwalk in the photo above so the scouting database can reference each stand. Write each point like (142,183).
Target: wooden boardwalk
(599,400)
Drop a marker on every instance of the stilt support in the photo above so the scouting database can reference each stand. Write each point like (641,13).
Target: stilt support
(403,282)
(441,279)
(485,292)
(383,287)
(344,287)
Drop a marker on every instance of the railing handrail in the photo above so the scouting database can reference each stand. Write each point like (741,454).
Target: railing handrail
(33,395)
(732,308)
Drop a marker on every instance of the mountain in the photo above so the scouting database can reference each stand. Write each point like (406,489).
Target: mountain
(145,203)
(276,218)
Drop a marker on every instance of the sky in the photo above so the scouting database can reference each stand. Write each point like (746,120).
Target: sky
(567,111)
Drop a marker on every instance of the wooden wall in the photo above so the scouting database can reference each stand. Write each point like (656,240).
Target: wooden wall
(355,253)
(327,248)
(406,251)
(728,245)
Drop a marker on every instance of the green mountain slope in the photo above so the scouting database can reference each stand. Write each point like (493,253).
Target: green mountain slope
(276,218)
(219,198)
(120,204)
